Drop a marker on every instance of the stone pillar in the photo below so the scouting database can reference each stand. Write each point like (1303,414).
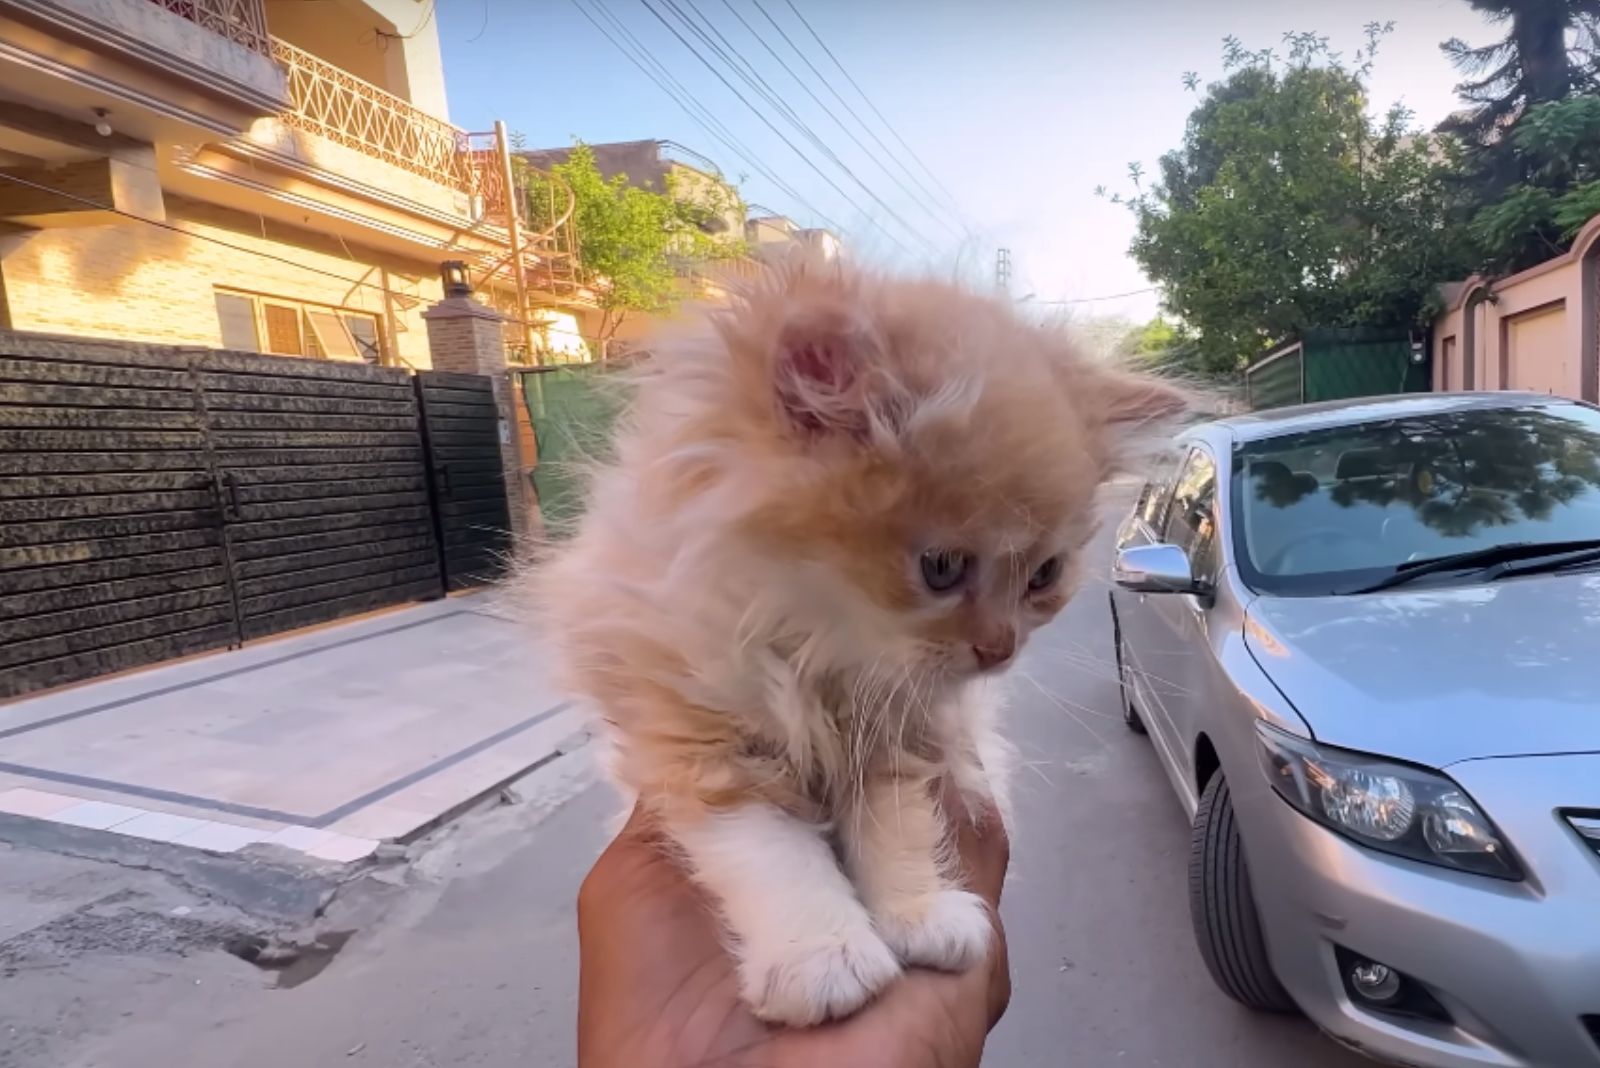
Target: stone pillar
(465,337)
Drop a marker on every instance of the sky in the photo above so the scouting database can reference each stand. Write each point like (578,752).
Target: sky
(1002,115)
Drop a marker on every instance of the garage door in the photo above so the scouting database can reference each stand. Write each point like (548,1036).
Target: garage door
(1536,354)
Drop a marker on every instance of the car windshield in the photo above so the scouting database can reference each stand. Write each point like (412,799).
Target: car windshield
(1333,509)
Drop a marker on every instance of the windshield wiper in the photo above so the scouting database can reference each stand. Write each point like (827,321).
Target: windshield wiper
(1496,556)
(1576,558)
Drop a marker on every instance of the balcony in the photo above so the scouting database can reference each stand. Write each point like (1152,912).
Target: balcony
(241,21)
(333,103)
(370,166)
(165,70)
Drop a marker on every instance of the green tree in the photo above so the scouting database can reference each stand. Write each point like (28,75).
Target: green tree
(1557,147)
(636,247)
(1290,206)
(1545,55)
(1160,345)
(1528,137)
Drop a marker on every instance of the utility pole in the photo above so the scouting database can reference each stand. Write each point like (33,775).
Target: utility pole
(513,197)
(1002,269)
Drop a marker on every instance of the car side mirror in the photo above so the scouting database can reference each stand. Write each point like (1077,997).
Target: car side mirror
(1155,569)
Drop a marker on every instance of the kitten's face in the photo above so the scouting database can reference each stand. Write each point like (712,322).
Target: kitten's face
(922,464)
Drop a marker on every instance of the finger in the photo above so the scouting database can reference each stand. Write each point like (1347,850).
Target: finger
(980,839)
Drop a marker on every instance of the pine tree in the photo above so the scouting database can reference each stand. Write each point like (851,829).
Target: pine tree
(1547,54)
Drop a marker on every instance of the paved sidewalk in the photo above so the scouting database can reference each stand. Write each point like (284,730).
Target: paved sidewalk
(327,742)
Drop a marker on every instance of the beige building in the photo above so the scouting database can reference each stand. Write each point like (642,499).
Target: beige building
(767,233)
(1536,330)
(668,167)
(272,175)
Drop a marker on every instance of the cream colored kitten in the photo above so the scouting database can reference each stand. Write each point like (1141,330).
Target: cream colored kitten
(833,517)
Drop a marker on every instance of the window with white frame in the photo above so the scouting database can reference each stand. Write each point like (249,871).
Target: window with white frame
(254,322)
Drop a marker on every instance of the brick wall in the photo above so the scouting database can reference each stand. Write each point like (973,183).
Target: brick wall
(137,282)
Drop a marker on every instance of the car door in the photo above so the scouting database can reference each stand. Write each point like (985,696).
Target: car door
(1145,525)
(1176,667)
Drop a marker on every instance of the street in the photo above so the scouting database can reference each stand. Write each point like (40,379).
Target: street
(468,956)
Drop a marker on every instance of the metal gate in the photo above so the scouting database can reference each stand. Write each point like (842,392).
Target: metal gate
(463,428)
(323,488)
(159,501)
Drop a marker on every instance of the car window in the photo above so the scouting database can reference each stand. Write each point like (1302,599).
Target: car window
(1191,521)
(1152,505)
(1335,508)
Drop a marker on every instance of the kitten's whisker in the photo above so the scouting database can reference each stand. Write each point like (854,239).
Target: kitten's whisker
(1091,659)
(1033,766)
(1059,703)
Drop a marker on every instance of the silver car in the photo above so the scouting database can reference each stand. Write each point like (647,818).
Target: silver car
(1364,639)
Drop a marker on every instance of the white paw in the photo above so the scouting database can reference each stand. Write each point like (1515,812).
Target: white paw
(803,983)
(951,932)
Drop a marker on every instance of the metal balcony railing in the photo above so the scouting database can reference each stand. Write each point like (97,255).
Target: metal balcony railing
(330,101)
(241,21)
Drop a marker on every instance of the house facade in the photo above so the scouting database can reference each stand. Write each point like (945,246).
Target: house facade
(1535,330)
(268,175)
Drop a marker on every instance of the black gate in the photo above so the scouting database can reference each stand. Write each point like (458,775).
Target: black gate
(323,488)
(111,547)
(158,501)
(463,428)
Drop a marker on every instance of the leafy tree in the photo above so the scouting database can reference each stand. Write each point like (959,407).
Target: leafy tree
(1528,138)
(1160,345)
(1557,146)
(1288,206)
(1531,65)
(635,245)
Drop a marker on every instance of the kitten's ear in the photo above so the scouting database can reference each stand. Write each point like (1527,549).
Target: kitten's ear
(823,372)
(1136,410)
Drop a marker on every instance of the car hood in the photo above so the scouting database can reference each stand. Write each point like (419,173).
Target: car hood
(1444,674)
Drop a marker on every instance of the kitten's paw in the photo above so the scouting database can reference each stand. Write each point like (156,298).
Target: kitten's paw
(950,932)
(801,984)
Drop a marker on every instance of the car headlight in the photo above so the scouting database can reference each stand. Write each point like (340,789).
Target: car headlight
(1390,807)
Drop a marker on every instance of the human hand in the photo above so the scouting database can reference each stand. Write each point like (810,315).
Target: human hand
(657,989)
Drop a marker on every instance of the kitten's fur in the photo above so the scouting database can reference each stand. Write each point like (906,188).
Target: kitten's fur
(744,600)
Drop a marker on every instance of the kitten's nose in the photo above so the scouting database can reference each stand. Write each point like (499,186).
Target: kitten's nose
(995,649)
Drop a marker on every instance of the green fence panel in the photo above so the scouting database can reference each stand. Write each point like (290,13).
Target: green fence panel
(1276,384)
(1337,369)
(573,411)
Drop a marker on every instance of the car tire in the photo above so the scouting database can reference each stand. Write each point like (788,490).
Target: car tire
(1130,715)
(1227,926)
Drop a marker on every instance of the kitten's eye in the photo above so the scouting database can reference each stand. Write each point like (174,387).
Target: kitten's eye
(943,569)
(1046,575)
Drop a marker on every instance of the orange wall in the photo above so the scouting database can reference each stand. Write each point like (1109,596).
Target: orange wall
(1528,331)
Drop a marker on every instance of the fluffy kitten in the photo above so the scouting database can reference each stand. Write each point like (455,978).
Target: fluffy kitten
(832,516)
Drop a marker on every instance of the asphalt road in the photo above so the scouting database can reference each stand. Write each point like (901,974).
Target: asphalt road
(1097,914)
(473,960)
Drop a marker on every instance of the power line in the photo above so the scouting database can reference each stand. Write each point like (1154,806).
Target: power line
(764,89)
(863,94)
(1091,300)
(769,125)
(691,106)
(937,214)
(888,152)
(427,17)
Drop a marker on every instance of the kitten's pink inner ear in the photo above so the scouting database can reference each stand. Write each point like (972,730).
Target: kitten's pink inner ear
(818,371)
(822,362)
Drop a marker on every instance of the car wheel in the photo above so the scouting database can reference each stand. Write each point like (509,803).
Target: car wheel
(1130,715)
(1227,926)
